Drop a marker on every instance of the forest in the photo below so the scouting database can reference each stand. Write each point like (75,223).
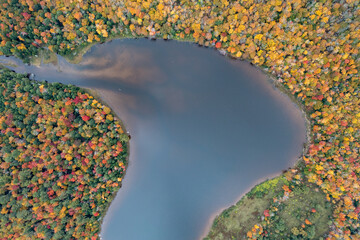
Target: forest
(63,156)
(311,48)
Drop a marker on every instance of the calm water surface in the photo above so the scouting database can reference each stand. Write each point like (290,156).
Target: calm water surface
(204,130)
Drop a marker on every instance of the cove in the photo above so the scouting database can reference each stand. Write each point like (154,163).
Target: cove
(204,130)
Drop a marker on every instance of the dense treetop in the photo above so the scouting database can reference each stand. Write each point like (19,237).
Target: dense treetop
(62,156)
(311,47)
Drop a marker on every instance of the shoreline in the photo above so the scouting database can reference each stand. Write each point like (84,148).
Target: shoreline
(309,135)
(270,78)
(96,95)
(77,58)
(218,213)
(275,84)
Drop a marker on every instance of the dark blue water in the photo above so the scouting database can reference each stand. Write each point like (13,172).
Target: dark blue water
(204,130)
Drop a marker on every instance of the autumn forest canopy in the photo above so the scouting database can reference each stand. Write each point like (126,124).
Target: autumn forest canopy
(311,48)
(63,155)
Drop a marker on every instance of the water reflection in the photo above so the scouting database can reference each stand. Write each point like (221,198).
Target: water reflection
(204,129)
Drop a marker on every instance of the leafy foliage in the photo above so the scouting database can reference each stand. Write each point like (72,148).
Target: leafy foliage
(299,210)
(61,160)
(272,211)
(311,47)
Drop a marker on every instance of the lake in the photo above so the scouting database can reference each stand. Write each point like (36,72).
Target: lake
(204,130)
